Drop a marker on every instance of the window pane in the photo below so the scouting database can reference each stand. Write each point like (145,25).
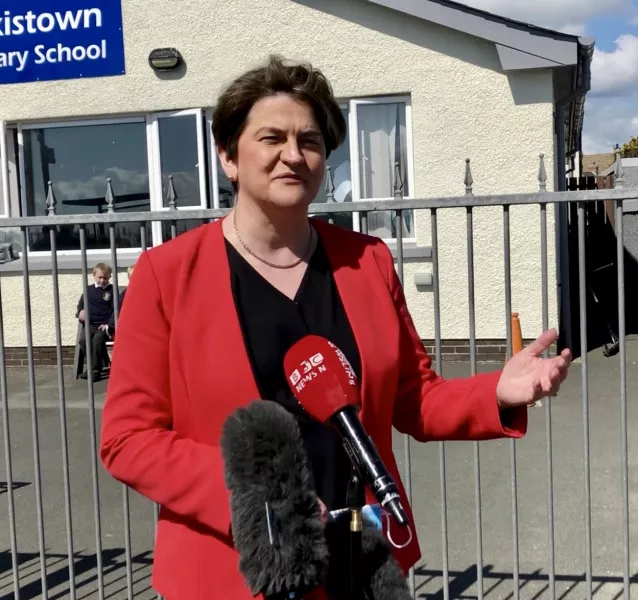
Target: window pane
(225,188)
(179,157)
(382,143)
(78,160)
(339,161)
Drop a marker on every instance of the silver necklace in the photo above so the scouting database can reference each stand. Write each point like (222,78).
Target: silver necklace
(263,260)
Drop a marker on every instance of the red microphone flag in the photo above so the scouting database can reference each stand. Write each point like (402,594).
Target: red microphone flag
(320,377)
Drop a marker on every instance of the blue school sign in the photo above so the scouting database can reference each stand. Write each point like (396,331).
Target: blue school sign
(44,40)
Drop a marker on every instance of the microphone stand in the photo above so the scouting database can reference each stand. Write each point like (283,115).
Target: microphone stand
(356,500)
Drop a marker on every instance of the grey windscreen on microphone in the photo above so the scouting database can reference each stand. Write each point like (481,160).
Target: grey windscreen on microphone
(283,544)
(275,516)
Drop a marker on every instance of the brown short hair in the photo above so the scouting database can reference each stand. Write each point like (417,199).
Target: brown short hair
(300,81)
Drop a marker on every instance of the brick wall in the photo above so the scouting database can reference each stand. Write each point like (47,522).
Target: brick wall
(486,350)
(451,350)
(42,355)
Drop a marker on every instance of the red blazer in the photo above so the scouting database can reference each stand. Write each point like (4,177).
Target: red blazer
(180,368)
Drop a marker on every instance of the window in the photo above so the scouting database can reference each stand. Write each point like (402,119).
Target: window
(78,160)
(177,148)
(141,156)
(223,192)
(150,157)
(363,168)
(340,171)
(382,143)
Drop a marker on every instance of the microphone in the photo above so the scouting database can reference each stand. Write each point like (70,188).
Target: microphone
(285,550)
(322,380)
(275,516)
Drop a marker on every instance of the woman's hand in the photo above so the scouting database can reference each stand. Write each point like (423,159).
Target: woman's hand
(325,513)
(527,377)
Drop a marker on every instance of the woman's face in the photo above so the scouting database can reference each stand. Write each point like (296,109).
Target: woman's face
(281,154)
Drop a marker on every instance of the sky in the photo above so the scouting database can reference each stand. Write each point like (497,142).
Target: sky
(611,111)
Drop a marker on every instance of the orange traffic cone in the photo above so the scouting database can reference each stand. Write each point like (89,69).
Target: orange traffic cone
(517,336)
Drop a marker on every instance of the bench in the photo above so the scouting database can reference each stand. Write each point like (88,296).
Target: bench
(79,358)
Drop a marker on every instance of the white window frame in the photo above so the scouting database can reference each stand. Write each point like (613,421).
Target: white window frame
(4,170)
(213,175)
(22,127)
(155,163)
(353,134)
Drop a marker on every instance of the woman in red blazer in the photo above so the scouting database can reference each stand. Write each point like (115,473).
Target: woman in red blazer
(191,347)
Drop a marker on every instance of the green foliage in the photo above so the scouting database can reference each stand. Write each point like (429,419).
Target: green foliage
(630,149)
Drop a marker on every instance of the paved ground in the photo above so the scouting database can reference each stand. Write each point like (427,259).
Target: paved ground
(498,560)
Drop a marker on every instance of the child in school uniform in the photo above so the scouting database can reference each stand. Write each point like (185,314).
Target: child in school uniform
(100,315)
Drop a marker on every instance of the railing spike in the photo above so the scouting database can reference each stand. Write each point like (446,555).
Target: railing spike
(110,197)
(469,180)
(172,194)
(619,171)
(398,181)
(542,175)
(51,200)
(330,186)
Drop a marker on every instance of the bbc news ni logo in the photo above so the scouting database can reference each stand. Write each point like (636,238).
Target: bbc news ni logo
(315,361)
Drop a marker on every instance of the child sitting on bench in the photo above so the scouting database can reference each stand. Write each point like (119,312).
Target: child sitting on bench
(100,304)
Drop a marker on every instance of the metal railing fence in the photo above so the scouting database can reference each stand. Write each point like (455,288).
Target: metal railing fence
(20,575)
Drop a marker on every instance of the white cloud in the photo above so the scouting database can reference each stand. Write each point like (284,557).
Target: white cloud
(569,16)
(616,71)
(609,121)
(123,181)
(611,111)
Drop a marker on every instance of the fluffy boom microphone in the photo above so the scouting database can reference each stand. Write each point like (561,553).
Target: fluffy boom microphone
(284,546)
(276,519)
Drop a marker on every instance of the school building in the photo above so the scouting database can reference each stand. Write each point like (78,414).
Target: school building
(122,90)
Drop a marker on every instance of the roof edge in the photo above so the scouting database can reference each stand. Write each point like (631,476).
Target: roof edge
(525,46)
(543,31)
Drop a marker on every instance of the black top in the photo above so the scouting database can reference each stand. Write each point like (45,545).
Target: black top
(271,323)
(100,304)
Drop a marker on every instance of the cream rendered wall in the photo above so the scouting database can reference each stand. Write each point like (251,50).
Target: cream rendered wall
(462,106)
(43,325)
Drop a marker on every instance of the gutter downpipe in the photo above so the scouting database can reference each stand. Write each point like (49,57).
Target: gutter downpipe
(561,223)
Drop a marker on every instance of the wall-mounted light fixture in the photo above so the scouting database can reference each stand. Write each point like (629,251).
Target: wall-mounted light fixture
(165,59)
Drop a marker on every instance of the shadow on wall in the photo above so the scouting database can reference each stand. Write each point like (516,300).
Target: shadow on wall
(441,40)
(527,88)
